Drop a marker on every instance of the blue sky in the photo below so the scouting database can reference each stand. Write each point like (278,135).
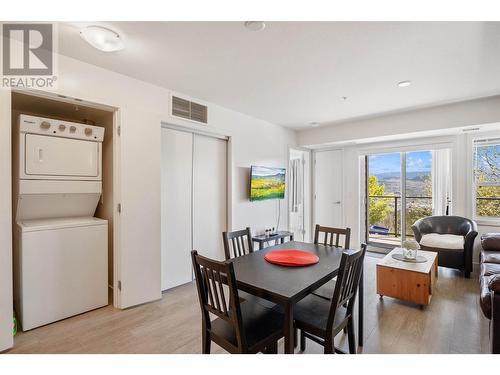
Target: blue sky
(418,161)
(266,171)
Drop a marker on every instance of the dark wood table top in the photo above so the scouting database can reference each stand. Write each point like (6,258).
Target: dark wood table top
(280,284)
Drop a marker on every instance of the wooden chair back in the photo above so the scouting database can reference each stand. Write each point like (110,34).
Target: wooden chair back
(237,243)
(332,233)
(211,276)
(346,286)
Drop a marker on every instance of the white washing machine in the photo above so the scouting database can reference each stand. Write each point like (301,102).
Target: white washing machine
(60,249)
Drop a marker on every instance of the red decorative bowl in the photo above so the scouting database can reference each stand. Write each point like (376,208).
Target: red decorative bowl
(291,258)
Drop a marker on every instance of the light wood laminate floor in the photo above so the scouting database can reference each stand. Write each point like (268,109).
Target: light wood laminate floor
(452,323)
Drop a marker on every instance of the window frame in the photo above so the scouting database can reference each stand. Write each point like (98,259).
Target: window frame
(486,141)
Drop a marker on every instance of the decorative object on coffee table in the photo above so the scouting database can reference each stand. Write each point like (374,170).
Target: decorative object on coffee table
(410,248)
(399,255)
(408,281)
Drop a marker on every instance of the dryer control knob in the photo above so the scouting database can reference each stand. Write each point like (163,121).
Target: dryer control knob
(72,129)
(45,125)
(88,132)
(62,127)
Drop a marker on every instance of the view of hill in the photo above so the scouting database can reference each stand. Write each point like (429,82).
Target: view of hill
(417,183)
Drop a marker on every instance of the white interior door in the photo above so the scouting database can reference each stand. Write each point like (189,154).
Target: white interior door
(209,195)
(176,204)
(328,188)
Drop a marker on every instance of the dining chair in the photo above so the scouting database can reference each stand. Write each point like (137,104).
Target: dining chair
(237,243)
(331,237)
(238,327)
(329,234)
(321,320)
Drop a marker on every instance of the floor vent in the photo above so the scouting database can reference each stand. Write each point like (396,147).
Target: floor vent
(189,110)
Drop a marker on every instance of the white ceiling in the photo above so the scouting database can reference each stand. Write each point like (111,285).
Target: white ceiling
(294,73)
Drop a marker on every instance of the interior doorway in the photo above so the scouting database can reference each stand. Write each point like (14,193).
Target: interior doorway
(328,202)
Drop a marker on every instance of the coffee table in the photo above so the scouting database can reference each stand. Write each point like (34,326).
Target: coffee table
(412,282)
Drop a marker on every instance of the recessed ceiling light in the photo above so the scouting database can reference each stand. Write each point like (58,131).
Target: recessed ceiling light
(102,38)
(314,124)
(404,83)
(255,25)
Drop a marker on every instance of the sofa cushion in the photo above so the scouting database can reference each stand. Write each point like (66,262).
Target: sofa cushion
(489,269)
(490,257)
(443,241)
(491,241)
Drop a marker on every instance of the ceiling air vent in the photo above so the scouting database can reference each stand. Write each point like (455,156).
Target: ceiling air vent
(189,110)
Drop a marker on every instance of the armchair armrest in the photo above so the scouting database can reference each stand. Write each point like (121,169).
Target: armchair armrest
(468,250)
(420,227)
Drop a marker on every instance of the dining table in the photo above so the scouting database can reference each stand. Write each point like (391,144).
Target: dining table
(288,285)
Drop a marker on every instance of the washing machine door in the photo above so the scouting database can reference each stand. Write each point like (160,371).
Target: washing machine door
(64,157)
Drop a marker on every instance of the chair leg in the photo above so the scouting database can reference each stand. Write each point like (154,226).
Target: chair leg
(351,337)
(206,342)
(329,346)
(302,341)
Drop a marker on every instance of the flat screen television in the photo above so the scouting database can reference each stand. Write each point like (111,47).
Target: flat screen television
(266,183)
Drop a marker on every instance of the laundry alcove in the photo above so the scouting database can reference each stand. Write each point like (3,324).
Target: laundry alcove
(70,110)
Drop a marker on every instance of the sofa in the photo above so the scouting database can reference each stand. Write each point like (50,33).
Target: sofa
(489,280)
(457,258)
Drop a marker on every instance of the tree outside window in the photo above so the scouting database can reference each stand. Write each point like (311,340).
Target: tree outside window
(487,178)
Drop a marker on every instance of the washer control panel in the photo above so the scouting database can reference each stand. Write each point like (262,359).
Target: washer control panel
(57,128)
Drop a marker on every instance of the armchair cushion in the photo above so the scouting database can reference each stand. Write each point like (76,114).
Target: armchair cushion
(443,241)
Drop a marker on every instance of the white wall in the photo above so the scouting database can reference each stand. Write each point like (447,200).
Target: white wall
(142,108)
(414,129)
(473,112)
(5,224)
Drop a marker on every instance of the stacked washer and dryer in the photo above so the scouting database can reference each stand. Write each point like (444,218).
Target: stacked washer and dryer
(60,248)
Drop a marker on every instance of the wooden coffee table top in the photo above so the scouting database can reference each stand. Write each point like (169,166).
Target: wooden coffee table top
(389,261)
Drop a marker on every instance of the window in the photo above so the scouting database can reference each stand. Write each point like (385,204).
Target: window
(487,178)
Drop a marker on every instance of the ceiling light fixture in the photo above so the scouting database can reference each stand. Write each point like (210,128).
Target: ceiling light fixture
(255,25)
(314,124)
(404,83)
(102,38)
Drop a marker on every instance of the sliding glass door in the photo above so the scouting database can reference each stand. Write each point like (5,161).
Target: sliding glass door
(384,199)
(403,187)
(418,188)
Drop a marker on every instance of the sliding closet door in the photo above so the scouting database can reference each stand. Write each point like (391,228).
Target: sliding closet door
(209,195)
(176,175)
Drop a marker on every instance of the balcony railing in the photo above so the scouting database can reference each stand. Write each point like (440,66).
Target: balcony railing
(394,203)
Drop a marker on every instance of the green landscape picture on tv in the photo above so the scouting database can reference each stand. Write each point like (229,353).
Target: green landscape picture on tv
(267,183)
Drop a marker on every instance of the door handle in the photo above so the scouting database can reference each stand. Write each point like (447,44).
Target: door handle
(338,202)
(40,154)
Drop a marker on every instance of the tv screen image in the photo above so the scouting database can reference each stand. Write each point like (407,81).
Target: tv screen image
(267,183)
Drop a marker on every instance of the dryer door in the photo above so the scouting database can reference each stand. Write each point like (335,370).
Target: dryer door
(54,156)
